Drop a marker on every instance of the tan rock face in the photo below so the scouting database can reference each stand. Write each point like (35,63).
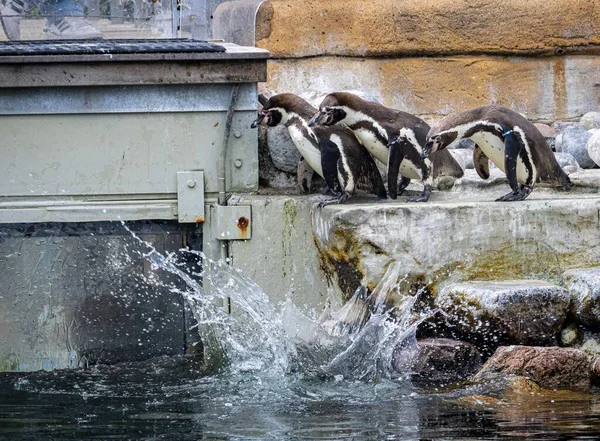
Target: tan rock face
(546,89)
(290,28)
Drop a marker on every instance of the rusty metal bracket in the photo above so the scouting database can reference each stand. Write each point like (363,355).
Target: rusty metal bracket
(233,222)
(190,196)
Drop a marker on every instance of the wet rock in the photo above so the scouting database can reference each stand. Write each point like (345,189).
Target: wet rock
(591,346)
(590,120)
(282,149)
(552,367)
(593,147)
(567,161)
(595,371)
(464,157)
(269,175)
(516,311)
(570,335)
(443,359)
(584,287)
(574,141)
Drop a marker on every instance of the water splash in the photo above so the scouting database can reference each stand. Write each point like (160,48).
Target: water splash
(372,336)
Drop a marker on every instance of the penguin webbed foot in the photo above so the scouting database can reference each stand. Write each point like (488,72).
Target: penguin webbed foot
(326,191)
(423,198)
(519,195)
(337,200)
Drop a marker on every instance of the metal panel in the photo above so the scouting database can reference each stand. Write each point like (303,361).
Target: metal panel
(128,99)
(190,196)
(121,154)
(233,222)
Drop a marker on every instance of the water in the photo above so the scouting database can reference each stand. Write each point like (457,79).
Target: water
(347,380)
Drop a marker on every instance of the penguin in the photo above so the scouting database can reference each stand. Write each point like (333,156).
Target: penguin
(507,139)
(332,152)
(394,137)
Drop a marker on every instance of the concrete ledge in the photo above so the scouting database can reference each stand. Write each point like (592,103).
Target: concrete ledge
(460,240)
(544,89)
(289,28)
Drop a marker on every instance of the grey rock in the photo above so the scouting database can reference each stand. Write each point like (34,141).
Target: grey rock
(443,359)
(558,143)
(464,157)
(562,125)
(593,147)
(595,371)
(574,141)
(591,346)
(283,151)
(514,311)
(551,367)
(584,287)
(464,143)
(590,120)
(567,161)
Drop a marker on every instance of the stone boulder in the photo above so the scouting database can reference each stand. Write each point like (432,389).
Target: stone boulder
(464,157)
(590,120)
(593,147)
(515,311)
(595,371)
(574,141)
(283,151)
(551,367)
(546,130)
(443,359)
(583,285)
(568,162)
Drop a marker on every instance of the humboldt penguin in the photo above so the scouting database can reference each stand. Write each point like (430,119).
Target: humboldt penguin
(332,152)
(506,138)
(394,137)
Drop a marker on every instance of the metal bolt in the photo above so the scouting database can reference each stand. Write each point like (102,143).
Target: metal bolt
(238,163)
(237,134)
(191,183)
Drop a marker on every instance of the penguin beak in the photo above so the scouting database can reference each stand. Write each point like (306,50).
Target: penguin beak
(257,121)
(316,119)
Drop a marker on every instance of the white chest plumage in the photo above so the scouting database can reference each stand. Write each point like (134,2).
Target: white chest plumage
(309,152)
(493,147)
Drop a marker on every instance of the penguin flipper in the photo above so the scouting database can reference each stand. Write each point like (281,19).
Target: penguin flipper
(481,163)
(305,175)
(330,155)
(512,149)
(395,158)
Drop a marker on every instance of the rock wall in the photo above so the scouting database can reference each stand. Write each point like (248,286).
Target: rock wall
(532,56)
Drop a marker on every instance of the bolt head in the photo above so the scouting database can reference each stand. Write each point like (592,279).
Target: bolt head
(238,163)
(191,183)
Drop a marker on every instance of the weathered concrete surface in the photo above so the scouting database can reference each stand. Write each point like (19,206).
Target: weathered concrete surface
(544,89)
(290,28)
(551,367)
(283,259)
(462,236)
(74,294)
(508,311)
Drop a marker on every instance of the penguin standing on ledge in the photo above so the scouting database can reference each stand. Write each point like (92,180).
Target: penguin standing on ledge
(395,138)
(506,138)
(333,152)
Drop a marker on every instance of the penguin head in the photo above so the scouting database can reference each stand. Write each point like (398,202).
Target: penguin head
(279,109)
(438,141)
(330,112)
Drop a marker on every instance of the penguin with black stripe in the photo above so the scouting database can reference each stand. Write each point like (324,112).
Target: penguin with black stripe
(332,152)
(507,139)
(393,137)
